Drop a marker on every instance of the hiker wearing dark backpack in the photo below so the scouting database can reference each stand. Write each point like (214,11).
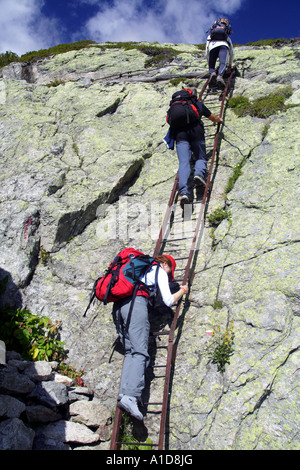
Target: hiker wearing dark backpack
(190,139)
(135,337)
(219,46)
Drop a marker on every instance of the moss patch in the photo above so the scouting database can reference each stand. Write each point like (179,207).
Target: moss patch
(9,57)
(261,107)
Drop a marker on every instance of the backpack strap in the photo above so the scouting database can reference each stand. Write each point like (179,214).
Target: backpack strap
(140,286)
(92,296)
(115,274)
(136,288)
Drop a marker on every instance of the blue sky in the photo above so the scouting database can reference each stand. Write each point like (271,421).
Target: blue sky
(27,25)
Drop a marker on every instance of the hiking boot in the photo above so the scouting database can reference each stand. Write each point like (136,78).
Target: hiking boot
(212,80)
(184,199)
(129,404)
(199,181)
(220,82)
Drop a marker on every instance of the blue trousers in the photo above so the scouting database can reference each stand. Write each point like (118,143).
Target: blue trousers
(185,150)
(135,341)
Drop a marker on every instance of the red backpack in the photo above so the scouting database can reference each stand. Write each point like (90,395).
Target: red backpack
(121,279)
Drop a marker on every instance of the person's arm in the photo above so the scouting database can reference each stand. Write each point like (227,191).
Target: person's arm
(207,113)
(231,53)
(163,284)
(177,296)
(216,119)
(207,47)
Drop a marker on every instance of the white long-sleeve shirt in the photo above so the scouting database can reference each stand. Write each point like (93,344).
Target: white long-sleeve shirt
(163,283)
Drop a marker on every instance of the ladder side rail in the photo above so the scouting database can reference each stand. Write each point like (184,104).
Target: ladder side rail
(170,356)
(116,429)
(166,217)
(203,202)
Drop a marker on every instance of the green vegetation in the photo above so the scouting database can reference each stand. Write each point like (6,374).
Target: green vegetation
(240,105)
(218,304)
(216,217)
(177,81)
(265,130)
(271,104)
(70,372)
(35,338)
(261,107)
(158,55)
(237,171)
(201,47)
(126,436)
(221,347)
(55,83)
(8,57)
(128,45)
(272,42)
(44,256)
(185,82)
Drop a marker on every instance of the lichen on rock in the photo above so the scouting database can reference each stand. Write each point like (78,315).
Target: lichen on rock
(84,172)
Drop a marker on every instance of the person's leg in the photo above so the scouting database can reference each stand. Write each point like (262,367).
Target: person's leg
(223,54)
(199,151)
(212,59)
(136,348)
(184,153)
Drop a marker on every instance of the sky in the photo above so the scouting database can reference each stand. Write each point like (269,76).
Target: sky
(30,25)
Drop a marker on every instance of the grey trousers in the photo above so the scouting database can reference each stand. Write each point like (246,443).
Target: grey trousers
(135,341)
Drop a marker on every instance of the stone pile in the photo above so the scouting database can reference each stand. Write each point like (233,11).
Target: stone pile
(43,410)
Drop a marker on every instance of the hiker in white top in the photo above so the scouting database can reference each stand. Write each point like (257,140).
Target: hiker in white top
(219,46)
(136,337)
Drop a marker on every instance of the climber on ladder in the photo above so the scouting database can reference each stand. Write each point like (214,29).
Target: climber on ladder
(219,46)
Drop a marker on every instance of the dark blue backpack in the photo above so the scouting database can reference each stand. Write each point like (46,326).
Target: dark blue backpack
(220,30)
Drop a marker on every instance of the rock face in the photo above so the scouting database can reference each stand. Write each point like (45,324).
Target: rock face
(84,172)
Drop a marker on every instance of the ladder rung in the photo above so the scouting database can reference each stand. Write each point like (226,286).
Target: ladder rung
(137,443)
(161,333)
(154,403)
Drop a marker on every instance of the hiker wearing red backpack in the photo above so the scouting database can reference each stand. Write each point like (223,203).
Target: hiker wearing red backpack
(219,46)
(135,335)
(187,130)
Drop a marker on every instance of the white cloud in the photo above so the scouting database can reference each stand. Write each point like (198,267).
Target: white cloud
(163,21)
(23,28)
